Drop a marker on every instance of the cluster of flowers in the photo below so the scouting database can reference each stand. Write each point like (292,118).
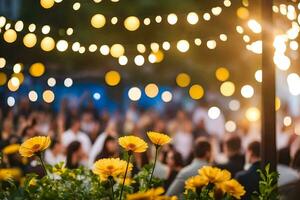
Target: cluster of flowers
(213,183)
(111,177)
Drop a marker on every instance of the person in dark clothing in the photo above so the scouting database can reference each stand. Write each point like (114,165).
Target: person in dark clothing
(174,162)
(110,149)
(250,178)
(74,155)
(232,149)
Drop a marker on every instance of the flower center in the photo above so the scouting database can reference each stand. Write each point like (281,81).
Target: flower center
(131,146)
(36,147)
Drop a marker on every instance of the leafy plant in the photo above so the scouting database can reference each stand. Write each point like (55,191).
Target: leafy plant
(268,189)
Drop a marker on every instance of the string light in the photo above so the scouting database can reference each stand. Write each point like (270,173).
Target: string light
(230,126)
(134,94)
(214,112)
(139,60)
(37,69)
(247,91)
(183,80)
(132,23)
(98,21)
(29,40)
(112,78)
(48,96)
(196,92)
(166,96)
(253,114)
(33,96)
(183,46)
(47,3)
(68,82)
(10,36)
(51,82)
(2,62)
(151,90)
(11,101)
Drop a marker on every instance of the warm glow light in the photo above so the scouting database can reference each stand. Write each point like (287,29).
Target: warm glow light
(172,18)
(17,68)
(141,48)
(242,13)
(51,82)
(227,88)
(166,96)
(19,25)
(192,18)
(76,6)
(230,126)
(253,114)
(206,16)
(2,21)
(3,78)
(68,82)
(47,3)
(48,96)
(132,23)
(287,121)
(30,40)
(134,94)
(98,21)
(114,20)
(183,80)
(293,81)
(33,96)
(13,84)
(196,92)
(62,45)
(76,46)
(223,37)
(31,28)
(247,91)
(151,90)
(123,60)
(154,46)
(258,75)
(69,31)
(112,78)
(282,62)
(214,112)
(93,48)
(10,36)
(104,50)
(255,47)
(147,21)
(2,62)
(277,103)
(11,101)
(166,46)
(198,41)
(211,44)
(116,50)
(139,60)
(294,45)
(183,46)
(222,74)
(46,29)
(37,69)
(254,26)
(47,44)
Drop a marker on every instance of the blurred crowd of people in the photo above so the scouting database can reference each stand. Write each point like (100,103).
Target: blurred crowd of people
(83,134)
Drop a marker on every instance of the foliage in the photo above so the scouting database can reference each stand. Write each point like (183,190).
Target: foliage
(268,189)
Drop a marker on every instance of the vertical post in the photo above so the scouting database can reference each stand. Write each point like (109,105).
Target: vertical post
(268,148)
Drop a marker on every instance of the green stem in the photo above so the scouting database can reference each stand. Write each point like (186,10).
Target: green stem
(42,163)
(155,158)
(112,187)
(128,160)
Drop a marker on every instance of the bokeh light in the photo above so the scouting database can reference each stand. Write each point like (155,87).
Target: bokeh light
(192,18)
(227,88)
(37,69)
(33,96)
(47,3)
(230,126)
(214,112)
(151,90)
(183,46)
(98,21)
(2,62)
(234,105)
(183,80)
(51,82)
(242,13)
(10,36)
(222,74)
(166,96)
(132,23)
(48,96)
(3,78)
(68,82)
(196,91)
(139,60)
(112,78)
(62,45)
(247,91)
(253,114)
(29,40)
(116,50)
(47,44)
(258,75)
(134,94)
(172,19)
(287,121)
(11,101)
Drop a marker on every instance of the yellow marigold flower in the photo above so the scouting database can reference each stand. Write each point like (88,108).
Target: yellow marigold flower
(133,144)
(12,173)
(151,194)
(11,149)
(59,170)
(214,174)
(196,182)
(158,138)
(34,146)
(111,167)
(32,182)
(233,188)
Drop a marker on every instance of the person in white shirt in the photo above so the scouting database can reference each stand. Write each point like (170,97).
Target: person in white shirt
(54,154)
(74,134)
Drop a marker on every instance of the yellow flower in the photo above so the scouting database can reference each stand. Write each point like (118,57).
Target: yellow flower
(11,149)
(133,144)
(158,138)
(32,182)
(12,173)
(151,194)
(59,170)
(196,182)
(214,174)
(128,181)
(34,146)
(233,188)
(111,167)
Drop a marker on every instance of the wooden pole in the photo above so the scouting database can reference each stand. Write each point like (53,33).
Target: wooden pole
(268,145)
